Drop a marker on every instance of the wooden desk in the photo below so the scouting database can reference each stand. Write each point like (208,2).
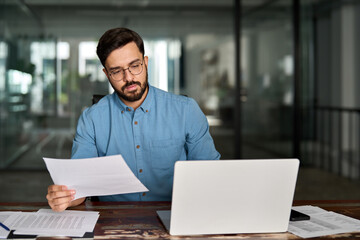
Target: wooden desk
(138,220)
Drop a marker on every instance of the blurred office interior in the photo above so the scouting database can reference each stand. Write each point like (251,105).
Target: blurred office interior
(275,78)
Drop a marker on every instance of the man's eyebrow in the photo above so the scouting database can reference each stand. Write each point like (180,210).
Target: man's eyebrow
(117,67)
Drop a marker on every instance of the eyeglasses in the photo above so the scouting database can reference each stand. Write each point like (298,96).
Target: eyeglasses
(119,74)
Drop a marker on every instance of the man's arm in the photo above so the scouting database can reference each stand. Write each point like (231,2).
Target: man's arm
(84,142)
(199,143)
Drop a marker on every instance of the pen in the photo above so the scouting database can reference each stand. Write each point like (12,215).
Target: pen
(5,227)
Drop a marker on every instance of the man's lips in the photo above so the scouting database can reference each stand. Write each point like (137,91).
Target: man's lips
(132,87)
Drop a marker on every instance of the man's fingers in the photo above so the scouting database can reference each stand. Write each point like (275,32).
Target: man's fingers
(59,208)
(60,201)
(54,195)
(59,197)
(60,204)
(55,188)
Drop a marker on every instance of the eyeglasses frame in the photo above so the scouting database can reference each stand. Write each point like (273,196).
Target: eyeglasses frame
(142,68)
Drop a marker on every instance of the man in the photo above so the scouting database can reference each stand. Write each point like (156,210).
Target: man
(150,128)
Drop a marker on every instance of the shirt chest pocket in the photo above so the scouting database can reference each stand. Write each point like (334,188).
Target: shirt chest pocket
(164,153)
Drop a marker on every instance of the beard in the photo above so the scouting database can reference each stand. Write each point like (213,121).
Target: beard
(135,95)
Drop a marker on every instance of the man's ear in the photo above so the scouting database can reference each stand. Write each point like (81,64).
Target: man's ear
(146,59)
(106,73)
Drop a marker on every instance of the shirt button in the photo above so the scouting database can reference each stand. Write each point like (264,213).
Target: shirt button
(129,109)
(122,111)
(137,146)
(144,194)
(147,111)
(140,170)
(136,122)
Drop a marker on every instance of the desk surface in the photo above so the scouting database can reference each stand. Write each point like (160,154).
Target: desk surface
(138,220)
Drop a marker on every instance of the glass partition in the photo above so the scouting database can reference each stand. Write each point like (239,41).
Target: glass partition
(18,76)
(330,76)
(267,78)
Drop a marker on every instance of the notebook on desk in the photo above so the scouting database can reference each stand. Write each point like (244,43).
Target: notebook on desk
(231,196)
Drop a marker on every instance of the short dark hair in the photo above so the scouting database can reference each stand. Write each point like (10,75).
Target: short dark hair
(115,38)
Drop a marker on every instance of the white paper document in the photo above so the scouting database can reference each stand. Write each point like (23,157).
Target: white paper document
(94,176)
(45,222)
(3,233)
(6,218)
(322,223)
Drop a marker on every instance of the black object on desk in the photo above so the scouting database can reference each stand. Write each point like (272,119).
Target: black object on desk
(88,235)
(298,216)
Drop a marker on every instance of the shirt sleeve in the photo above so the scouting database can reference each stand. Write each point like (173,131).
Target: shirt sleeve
(84,142)
(199,143)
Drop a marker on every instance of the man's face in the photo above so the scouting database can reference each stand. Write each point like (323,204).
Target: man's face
(132,87)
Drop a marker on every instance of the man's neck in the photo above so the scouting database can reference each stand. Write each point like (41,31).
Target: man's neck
(136,104)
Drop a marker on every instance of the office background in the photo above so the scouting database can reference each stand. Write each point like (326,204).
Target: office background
(275,78)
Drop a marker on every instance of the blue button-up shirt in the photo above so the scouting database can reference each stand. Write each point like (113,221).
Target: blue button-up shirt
(164,129)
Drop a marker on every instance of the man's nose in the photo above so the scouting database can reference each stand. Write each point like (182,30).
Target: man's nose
(128,76)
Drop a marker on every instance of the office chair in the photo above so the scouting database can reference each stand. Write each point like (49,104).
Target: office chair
(96,98)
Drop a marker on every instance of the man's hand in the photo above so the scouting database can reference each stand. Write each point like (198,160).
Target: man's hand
(60,197)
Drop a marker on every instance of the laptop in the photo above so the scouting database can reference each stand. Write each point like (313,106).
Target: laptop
(231,196)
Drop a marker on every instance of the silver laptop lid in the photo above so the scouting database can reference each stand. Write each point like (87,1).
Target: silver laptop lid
(232,196)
